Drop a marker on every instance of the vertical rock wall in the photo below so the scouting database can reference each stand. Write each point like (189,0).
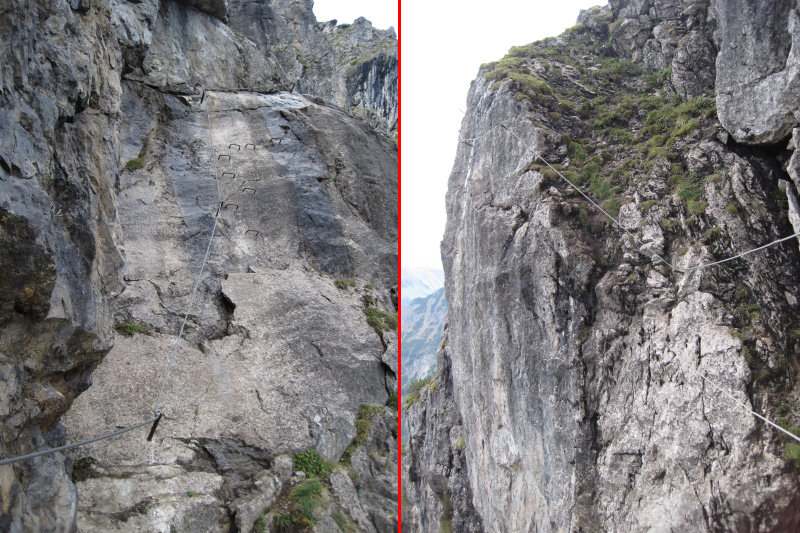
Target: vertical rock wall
(106,199)
(576,358)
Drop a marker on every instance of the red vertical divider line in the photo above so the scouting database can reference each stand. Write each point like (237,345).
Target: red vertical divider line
(399,280)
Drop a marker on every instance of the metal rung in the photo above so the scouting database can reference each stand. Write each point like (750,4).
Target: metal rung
(226,206)
(250,189)
(252,231)
(228,173)
(249,144)
(220,156)
(236,145)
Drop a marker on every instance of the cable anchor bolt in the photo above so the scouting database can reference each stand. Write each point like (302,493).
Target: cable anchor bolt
(155,425)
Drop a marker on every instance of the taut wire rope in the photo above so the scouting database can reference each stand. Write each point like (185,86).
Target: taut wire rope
(156,414)
(696,267)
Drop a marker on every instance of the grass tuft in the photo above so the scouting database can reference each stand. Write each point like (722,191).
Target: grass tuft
(134,164)
(344,283)
(129,329)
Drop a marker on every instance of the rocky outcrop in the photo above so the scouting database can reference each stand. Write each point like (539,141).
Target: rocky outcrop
(351,66)
(758,71)
(663,35)
(443,497)
(107,199)
(595,387)
(59,233)
(366,62)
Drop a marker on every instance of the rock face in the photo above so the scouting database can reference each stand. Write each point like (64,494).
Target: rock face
(758,71)
(585,384)
(109,188)
(59,234)
(351,66)
(441,494)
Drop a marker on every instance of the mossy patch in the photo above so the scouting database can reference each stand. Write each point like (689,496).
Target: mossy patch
(129,329)
(380,320)
(416,388)
(344,283)
(134,164)
(303,501)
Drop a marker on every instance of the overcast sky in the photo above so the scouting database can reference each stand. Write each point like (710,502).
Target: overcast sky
(382,13)
(443,43)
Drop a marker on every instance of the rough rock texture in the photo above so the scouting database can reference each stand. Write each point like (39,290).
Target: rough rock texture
(366,62)
(445,494)
(107,200)
(665,34)
(351,66)
(758,69)
(58,229)
(594,387)
(278,358)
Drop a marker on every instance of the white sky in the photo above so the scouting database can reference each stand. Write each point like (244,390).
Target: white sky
(443,42)
(382,13)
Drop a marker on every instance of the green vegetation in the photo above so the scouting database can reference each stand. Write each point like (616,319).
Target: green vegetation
(344,283)
(391,403)
(612,206)
(460,444)
(792,451)
(794,336)
(615,70)
(656,79)
(134,164)
(309,462)
(446,518)
(695,207)
(81,469)
(676,117)
(646,206)
(380,320)
(363,424)
(345,524)
(690,189)
(130,328)
(791,448)
(261,524)
(415,389)
(304,500)
(632,129)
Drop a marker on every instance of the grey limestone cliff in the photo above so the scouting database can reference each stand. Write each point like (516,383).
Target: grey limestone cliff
(586,385)
(108,195)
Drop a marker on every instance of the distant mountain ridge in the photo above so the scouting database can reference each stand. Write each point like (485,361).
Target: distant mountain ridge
(422,324)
